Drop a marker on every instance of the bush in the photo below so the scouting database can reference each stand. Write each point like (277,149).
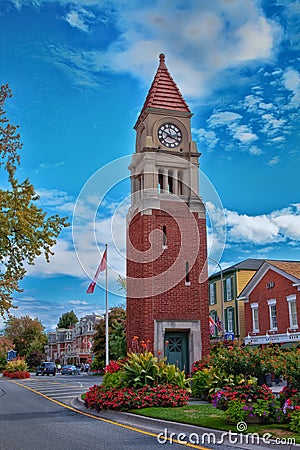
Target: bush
(102,398)
(236,412)
(200,382)
(16,366)
(295,421)
(144,369)
(113,380)
(244,393)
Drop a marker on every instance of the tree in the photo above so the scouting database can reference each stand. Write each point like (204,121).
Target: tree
(25,230)
(27,334)
(5,345)
(117,336)
(67,320)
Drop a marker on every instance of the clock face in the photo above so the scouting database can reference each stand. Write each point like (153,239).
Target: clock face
(169,135)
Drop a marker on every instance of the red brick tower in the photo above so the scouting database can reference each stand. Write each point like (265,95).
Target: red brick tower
(167,295)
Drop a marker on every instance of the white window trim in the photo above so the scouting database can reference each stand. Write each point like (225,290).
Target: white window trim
(290,299)
(214,296)
(254,306)
(230,311)
(272,302)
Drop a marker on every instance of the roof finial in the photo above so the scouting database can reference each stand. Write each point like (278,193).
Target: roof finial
(162,60)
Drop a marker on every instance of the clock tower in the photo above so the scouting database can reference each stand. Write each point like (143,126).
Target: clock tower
(167,292)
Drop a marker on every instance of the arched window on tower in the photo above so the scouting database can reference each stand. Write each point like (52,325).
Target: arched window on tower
(170,182)
(180,183)
(160,183)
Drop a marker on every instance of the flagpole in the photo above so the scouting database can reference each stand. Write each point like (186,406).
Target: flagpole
(106,314)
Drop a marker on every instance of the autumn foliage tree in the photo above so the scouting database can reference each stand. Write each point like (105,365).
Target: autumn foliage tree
(25,230)
(27,334)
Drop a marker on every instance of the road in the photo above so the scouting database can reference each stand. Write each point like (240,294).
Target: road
(39,414)
(31,421)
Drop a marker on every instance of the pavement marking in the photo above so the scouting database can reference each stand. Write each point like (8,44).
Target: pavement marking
(102,419)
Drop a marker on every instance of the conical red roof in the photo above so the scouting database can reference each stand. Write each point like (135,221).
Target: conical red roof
(164,92)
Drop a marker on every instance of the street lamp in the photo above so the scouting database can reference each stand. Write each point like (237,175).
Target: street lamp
(222,294)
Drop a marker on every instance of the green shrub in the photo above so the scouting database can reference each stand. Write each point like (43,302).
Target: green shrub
(200,383)
(113,380)
(295,421)
(236,412)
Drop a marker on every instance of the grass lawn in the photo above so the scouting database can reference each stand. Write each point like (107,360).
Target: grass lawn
(210,417)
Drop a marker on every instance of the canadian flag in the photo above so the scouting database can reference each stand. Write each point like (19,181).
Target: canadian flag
(90,345)
(101,268)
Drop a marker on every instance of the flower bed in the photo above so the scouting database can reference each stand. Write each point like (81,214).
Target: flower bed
(19,374)
(101,398)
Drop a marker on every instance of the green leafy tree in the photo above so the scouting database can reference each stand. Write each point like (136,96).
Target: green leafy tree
(67,320)
(117,335)
(27,334)
(25,230)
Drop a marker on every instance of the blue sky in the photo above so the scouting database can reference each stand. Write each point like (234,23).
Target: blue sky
(80,72)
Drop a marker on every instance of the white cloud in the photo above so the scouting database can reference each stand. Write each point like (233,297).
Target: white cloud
(243,134)
(254,40)
(200,40)
(243,229)
(255,229)
(209,137)
(255,151)
(291,81)
(274,161)
(80,18)
(223,118)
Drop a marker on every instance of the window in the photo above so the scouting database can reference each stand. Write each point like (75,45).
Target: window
(230,320)
(170,183)
(160,181)
(187,274)
(180,184)
(164,243)
(291,299)
(273,314)
(255,323)
(212,323)
(228,289)
(212,294)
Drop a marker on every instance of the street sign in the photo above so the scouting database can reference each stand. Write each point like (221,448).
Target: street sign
(11,354)
(229,336)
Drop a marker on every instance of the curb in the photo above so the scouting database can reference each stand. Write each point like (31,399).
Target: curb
(186,432)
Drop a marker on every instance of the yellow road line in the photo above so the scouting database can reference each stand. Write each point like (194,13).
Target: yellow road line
(128,427)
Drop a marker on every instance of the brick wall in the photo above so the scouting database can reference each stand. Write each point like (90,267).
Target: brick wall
(283,287)
(176,301)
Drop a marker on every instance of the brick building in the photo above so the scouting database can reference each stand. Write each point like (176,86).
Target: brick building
(167,295)
(272,304)
(74,345)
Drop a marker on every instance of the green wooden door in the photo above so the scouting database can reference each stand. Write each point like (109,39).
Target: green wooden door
(176,349)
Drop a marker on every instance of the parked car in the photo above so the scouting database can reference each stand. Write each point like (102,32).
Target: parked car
(46,368)
(70,370)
